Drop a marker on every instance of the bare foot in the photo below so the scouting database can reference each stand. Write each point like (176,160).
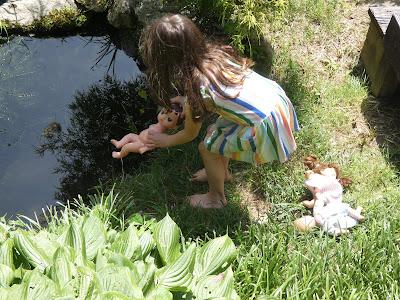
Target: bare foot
(118,155)
(115,143)
(201,176)
(207,201)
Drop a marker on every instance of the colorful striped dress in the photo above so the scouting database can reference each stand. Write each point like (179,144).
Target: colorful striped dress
(257,126)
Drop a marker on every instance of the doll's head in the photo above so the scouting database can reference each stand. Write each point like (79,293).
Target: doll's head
(331,170)
(169,118)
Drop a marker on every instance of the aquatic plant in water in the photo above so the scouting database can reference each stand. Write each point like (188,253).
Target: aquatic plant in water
(81,255)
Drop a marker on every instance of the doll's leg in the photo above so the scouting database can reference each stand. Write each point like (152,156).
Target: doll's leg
(144,149)
(201,175)
(305,223)
(356,213)
(127,148)
(129,138)
(214,165)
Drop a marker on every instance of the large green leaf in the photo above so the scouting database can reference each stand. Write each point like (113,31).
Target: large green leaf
(63,270)
(118,279)
(119,260)
(111,235)
(146,243)
(216,286)
(4,293)
(95,235)
(167,235)
(116,296)
(6,253)
(76,240)
(30,250)
(36,286)
(85,283)
(214,257)
(127,243)
(4,228)
(101,260)
(143,273)
(6,275)
(47,242)
(178,276)
(159,293)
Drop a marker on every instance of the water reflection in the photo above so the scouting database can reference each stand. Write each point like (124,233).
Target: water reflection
(38,81)
(106,110)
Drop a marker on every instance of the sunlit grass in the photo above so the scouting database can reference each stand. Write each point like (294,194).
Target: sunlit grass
(336,113)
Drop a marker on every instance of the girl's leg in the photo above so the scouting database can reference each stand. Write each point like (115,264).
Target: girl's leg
(129,138)
(215,169)
(201,175)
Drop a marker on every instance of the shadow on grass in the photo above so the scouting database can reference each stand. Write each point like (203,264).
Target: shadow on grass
(383,118)
(161,186)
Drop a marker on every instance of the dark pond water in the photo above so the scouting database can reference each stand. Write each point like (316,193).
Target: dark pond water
(56,101)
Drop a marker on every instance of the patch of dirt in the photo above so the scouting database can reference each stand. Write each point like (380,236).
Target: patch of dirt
(255,204)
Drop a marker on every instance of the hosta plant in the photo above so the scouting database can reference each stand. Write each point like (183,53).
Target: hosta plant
(80,256)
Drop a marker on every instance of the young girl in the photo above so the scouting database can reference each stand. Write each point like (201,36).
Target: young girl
(256,119)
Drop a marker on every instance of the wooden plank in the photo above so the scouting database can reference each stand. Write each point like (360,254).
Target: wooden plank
(381,16)
(372,51)
(392,43)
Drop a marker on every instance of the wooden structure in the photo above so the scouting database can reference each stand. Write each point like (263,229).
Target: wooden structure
(381,51)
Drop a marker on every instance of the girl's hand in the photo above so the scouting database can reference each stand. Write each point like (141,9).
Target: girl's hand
(157,140)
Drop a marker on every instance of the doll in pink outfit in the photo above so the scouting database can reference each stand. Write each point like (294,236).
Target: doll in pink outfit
(135,143)
(329,211)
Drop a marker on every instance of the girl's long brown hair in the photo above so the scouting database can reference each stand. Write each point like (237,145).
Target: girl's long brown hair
(179,60)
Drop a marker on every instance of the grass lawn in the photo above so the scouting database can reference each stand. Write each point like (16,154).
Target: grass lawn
(316,50)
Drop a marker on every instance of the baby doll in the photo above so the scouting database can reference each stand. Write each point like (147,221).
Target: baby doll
(329,211)
(329,169)
(135,143)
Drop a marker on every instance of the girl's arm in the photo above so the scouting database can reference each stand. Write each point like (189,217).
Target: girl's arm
(188,133)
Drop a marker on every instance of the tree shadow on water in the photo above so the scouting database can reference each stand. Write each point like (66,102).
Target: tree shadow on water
(108,109)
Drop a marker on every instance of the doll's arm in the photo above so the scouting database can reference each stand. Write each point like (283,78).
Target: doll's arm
(318,209)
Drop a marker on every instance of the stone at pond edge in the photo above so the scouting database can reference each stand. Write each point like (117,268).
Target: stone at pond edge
(95,5)
(147,10)
(125,13)
(25,12)
(121,14)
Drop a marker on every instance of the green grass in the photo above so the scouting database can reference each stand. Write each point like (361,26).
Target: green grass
(58,21)
(338,120)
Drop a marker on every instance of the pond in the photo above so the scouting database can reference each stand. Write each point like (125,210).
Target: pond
(61,100)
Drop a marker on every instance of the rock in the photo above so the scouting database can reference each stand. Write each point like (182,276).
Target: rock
(122,15)
(147,10)
(24,12)
(95,5)
(126,13)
